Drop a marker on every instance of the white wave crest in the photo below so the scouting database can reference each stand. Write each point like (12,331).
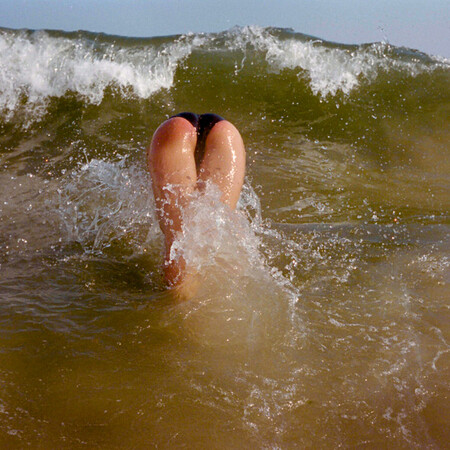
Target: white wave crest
(330,69)
(37,66)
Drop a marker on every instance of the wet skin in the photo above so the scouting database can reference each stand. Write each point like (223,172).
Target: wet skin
(175,173)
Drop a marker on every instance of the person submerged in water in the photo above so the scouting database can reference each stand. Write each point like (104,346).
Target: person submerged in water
(186,151)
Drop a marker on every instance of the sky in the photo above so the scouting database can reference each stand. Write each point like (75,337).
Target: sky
(418,24)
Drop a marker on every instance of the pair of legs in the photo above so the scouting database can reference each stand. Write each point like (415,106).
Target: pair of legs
(181,158)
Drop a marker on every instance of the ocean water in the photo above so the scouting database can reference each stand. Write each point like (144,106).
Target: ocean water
(322,319)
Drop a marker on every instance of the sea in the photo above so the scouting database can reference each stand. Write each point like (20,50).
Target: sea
(322,315)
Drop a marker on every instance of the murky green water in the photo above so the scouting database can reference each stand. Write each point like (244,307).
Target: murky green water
(322,318)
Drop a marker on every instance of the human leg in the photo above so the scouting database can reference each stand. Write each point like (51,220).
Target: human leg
(175,175)
(171,163)
(224,161)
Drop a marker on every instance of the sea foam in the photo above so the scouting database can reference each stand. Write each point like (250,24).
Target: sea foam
(36,66)
(329,68)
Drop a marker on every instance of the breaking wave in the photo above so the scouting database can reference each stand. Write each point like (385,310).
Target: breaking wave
(38,66)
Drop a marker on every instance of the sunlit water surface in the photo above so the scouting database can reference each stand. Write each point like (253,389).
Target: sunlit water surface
(322,318)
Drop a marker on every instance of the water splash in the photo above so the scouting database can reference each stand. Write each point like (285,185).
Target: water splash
(106,200)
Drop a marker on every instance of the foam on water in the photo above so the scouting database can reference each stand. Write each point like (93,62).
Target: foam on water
(329,69)
(37,66)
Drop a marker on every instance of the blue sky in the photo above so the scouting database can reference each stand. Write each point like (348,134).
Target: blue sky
(424,25)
